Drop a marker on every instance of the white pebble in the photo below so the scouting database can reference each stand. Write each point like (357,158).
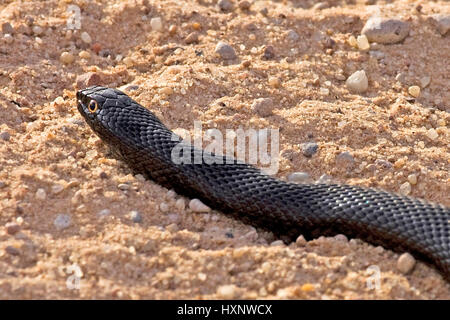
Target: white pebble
(57,188)
(412,178)
(227,291)
(362,42)
(37,30)
(385,30)
(301,241)
(432,134)
(197,206)
(180,204)
(164,207)
(406,263)
(123,186)
(104,212)
(8,38)
(405,189)
(358,82)
(277,243)
(298,177)
(156,24)
(62,221)
(41,194)
(85,37)
(135,216)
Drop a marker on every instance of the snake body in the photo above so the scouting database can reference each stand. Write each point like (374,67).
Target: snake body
(287,209)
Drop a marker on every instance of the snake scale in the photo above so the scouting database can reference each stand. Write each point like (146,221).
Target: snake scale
(286,209)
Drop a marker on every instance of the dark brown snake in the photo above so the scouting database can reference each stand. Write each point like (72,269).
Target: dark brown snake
(287,209)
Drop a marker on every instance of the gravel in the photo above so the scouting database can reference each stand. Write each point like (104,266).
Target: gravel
(385,30)
(406,263)
(309,149)
(197,206)
(225,51)
(358,82)
(62,221)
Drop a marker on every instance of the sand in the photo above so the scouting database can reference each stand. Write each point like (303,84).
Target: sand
(66,230)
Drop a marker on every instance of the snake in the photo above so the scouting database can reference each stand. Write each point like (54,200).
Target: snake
(287,209)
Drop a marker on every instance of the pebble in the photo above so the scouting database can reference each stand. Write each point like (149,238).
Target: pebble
(129,62)
(301,241)
(227,291)
(412,178)
(135,216)
(2,184)
(104,213)
(321,5)
(425,81)
(37,30)
(325,178)
(67,58)
(41,194)
(414,91)
(156,24)
(298,177)
(292,35)
(225,5)
(358,82)
(363,42)
(62,221)
(405,189)
(385,30)
(244,5)
(84,54)
(7,28)
(88,79)
(309,148)
(432,134)
(262,106)
(277,243)
(191,38)
(164,207)
(225,51)
(197,206)
(341,238)
(345,159)
(269,53)
(274,82)
(5,136)
(85,37)
(8,38)
(123,186)
(12,228)
(12,251)
(406,263)
(180,204)
(443,23)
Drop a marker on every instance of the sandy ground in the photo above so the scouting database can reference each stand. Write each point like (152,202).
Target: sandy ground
(57,178)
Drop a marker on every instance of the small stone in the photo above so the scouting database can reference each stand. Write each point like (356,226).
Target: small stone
(406,263)
(377,54)
(405,189)
(264,11)
(425,81)
(197,206)
(362,42)
(8,38)
(156,24)
(443,23)
(227,291)
(41,194)
(244,5)
(84,55)
(180,204)
(123,186)
(414,91)
(12,251)
(301,241)
(164,207)
(269,53)
(37,30)
(129,62)
(358,82)
(12,228)
(191,38)
(324,179)
(277,243)
(412,178)
(383,164)
(173,29)
(85,37)
(5,136)
(385,30)
(345,159)
(166,91)
(104,212)
(321,5)
(62,221)
(274,82)
(352,41)
(88,79)
(309,148)
(225,5)
(341,238)
(67,58)
(7,28)
(225,51)
(140,177)
(262,106)
(432,134)
(298,177)
(2,184)
(57,188)
(135,216)
(291,35)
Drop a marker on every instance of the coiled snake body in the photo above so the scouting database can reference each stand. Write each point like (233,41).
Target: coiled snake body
(286,209)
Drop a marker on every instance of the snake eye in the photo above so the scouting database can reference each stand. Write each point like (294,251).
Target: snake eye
(93,106)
